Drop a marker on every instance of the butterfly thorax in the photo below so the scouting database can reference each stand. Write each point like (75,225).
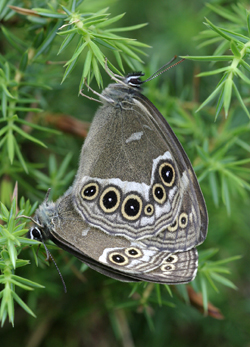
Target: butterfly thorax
(118,93)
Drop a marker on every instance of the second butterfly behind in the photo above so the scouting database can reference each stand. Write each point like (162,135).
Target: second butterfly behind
(135,211)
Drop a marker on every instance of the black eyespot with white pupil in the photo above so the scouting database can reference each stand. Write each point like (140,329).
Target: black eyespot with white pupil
(159,193)
(149,210)
(173,258)
(183,220)
(117,258)
(109,200)
(131,207)
(90,191)
(133,252)
(167,174)
(170,259)
(169,267)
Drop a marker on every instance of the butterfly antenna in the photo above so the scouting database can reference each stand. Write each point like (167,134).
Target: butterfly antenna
(47,196)
(59,272)
(160,71)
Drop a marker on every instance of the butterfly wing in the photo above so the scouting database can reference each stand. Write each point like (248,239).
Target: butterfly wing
(135,180)
(117,257)
(135,211)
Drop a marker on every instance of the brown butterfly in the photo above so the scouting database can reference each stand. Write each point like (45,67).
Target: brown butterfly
(135,211)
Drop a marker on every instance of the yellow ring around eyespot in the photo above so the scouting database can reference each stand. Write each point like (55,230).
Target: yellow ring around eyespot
(183,214)
(125,215)
(165,266)
(175,259)
(118,195)
(121,255)
(89,185)
(139,254)
(149,213)
(160,169)
(163,199)
(175,227)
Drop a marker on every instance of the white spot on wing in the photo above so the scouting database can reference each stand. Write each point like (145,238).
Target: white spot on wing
(191,217)
(194,214)
(184,179)
(146,126)
(172,193)
(147,220)
(85,231)
(135,137)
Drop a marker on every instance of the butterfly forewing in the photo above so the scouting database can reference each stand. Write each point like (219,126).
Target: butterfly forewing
(139,176)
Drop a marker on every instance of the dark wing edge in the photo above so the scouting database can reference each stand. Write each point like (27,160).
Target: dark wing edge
(162,124)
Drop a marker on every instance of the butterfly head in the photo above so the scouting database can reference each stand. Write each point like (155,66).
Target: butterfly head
(42,222)
(41,233)
(134,79)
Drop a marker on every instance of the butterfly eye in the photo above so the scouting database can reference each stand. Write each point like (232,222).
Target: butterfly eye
(35,234)
(118,258)
(132,207)
(167,174)
(90,191)
(183,220)
(110,199)
(133,252)
(134,79)
(159,193)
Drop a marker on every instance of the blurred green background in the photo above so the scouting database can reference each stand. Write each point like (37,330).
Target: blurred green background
(92,312)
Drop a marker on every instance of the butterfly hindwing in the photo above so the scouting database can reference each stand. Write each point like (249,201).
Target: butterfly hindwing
(116,256)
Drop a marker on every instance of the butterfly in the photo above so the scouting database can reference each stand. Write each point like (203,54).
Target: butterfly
(135,211)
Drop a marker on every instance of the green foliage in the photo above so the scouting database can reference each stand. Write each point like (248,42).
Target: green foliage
(12,242)
(46,23)
(57,178)
(209,273)
(92,33)
(38,154)
(239,44)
